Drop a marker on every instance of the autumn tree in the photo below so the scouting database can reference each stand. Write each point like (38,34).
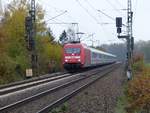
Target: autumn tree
(15,58)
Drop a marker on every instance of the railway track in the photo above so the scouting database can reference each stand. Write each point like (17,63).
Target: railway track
(58,94)
(73,93)
(30,80)
(30,83)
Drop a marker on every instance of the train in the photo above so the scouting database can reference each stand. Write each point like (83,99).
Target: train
(79,55)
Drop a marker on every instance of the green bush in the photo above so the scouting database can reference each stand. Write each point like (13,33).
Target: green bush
(138,66)
(8,72)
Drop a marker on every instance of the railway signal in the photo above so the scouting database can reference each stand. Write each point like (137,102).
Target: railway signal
(119,24)
(28,27)
(132,43)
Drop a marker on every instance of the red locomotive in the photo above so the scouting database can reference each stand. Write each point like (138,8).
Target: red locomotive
(78,55)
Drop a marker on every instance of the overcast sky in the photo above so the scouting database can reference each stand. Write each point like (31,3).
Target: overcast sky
(91,21)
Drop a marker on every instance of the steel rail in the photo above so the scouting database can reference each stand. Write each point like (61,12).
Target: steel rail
(39,95)
(30,80)
(42,94)
(71,94)
(30,84)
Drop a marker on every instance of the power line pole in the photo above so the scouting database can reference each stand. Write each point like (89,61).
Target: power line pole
(128,37)
(130,33)
(30,37)
(129,28)
(34,52)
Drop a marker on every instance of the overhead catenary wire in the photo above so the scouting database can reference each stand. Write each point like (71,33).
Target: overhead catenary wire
(85,37)
(81,26)
(87,11)
(99,16)
(109,16)
(113,6)
(97,10)
(56,16)
(92,7)
(121,9)
(54,20)
(106,15)
(60,22)
(103,13)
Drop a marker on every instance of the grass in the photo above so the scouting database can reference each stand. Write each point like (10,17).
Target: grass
(63,108)
(148,65)
(122,102)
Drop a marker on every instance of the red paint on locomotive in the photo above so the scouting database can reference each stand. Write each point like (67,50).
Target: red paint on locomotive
(78,55)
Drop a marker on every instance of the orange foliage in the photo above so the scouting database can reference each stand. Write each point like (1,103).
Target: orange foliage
(139,92)
(139,88)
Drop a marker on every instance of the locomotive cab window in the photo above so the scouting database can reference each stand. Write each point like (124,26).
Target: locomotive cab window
(73,50)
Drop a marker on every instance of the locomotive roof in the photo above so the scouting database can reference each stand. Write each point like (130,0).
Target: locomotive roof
(92,49)
(80,44)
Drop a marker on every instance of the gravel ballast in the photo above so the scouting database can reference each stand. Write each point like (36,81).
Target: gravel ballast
(101,97)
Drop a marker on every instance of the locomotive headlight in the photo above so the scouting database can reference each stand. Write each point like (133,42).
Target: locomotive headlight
(66,60)
(79,60)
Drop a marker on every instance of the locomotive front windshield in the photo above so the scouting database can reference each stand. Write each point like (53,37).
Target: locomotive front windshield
(73,50)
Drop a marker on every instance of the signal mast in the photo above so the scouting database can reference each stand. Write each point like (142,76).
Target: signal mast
(30,24)
(128,37)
